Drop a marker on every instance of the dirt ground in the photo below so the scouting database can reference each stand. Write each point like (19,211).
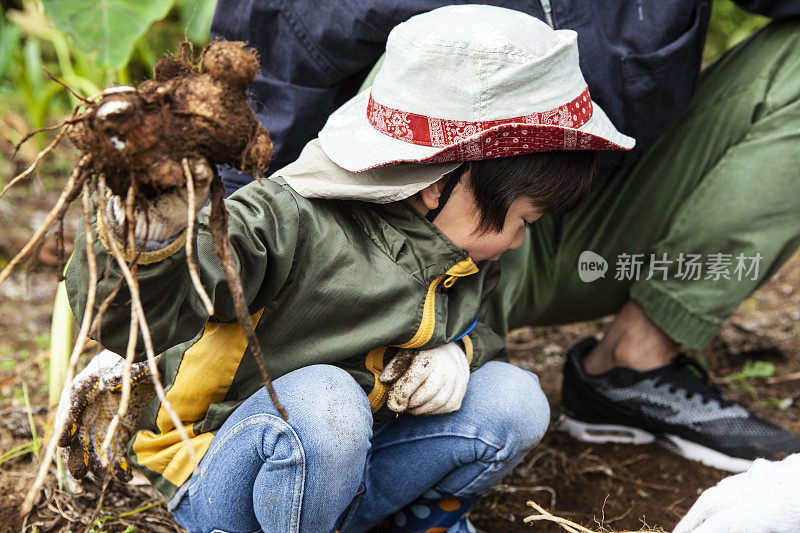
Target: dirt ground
(618,487)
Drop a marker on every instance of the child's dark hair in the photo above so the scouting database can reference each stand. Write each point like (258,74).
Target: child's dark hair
(556,181)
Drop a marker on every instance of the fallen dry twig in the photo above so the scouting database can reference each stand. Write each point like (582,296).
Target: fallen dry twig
(569,525)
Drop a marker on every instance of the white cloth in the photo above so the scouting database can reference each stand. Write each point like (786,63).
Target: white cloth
(434,383)
(473,64)
(314,175)
(764,499)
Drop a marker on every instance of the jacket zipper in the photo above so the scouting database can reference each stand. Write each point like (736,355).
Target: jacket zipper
(428,322)
(374,360)
(548,10)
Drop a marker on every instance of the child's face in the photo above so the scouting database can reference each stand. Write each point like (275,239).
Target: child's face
(459,220)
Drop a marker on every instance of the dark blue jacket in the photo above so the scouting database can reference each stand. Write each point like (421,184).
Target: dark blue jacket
(640,58)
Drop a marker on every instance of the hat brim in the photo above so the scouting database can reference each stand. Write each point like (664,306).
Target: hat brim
(351,142)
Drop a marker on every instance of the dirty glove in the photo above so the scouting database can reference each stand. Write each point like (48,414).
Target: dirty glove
(429,382)
(765,499)
(167,215)
(94,399)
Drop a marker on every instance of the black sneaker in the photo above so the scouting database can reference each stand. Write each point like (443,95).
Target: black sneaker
(671,405)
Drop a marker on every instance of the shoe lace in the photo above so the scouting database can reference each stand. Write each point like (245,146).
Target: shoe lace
(687,373)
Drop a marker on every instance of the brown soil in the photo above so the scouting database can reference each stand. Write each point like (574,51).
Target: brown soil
(622,487)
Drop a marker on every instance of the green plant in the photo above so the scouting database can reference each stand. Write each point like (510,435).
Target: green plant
(29,412)
(752,370)
(778,403)
(729,25)
(31,446)
(87,45)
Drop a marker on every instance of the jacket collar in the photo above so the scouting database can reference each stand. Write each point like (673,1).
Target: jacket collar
(412,242)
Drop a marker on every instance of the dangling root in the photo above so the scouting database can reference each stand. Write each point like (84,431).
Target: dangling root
(71,120)
(27,505)
(133,335)
(130,352)
(65,127)
(77,178)
(219,232)
(138,311)
(198,285)
(101,309)
(65,86)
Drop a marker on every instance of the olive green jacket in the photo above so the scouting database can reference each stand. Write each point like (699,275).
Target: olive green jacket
(326,281)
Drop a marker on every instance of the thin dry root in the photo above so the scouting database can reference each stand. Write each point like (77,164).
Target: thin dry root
(563,523)
(27,505)
(130,351)
(198,285)
(136,303)
(71,120)
(101,309)
(65,127)
(219,231)
(76,179)
(64,85)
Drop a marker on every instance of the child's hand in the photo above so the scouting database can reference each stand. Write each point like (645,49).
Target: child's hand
(94,400)
(433,383)
(166,215)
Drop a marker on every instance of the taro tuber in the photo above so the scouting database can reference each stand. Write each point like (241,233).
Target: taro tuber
(191,109)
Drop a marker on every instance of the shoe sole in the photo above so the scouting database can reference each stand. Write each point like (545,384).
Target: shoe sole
(605,433)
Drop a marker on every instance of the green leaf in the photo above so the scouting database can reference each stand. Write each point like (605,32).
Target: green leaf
(106,29)
(9,42)
(196,18)
(759,369)
(752,370)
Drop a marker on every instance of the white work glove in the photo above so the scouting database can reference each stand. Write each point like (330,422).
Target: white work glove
(764,499)
(433,383)
(94,399)
(167,215)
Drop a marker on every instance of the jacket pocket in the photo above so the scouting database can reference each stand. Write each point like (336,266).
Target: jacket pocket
(658,84)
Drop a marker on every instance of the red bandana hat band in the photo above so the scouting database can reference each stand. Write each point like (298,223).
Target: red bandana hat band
(438,132)
(535,132)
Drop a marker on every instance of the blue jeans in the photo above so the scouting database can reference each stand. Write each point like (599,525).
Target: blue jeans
(263,473)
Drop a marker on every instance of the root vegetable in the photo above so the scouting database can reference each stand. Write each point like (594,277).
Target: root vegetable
(138,142)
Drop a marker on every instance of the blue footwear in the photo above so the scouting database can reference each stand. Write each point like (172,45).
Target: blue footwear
(463,526)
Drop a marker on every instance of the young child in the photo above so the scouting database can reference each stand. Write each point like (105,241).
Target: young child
(352,252)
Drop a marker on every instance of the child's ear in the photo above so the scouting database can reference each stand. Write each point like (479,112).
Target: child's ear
(430,195)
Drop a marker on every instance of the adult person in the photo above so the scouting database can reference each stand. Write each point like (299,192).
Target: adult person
(695,218)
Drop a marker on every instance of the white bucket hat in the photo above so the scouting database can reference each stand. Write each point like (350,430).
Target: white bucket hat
(464,83)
